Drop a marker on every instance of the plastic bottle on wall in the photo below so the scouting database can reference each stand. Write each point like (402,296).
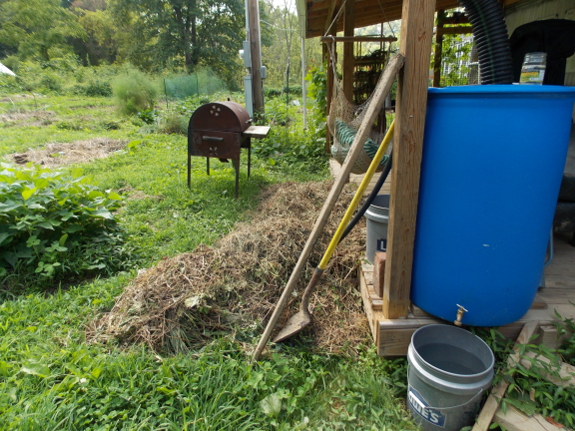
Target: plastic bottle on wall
(533,69)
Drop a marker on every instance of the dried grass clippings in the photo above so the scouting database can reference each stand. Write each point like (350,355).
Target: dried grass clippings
(188,300)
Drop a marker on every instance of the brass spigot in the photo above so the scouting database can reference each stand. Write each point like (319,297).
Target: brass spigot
(462,310)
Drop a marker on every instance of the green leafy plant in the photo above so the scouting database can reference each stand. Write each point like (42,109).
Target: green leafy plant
(53,224)
(529,389)
(288,143)
(134,93)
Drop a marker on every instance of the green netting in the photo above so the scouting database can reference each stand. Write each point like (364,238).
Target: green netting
(181,87)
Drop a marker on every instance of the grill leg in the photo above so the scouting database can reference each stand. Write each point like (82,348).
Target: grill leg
(236,163)
(208,165)
(249,159)
(189,169)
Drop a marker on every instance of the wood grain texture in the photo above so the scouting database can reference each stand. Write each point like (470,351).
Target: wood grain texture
(514,420)
(416,35)
(348,58)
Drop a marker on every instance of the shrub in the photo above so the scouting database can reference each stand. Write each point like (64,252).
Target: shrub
(272,92)
(134,93)
(175,124)
(53,224)
(98,88)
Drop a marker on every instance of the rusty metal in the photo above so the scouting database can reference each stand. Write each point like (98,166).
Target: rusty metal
(217,130)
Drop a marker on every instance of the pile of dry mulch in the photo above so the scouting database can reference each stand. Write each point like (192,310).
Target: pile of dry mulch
(232,287)
(27,118)
(59,154)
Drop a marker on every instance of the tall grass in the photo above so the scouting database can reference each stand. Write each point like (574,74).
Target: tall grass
(134,93)
(51,379)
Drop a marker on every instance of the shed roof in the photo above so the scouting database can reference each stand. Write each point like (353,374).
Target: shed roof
(317,15)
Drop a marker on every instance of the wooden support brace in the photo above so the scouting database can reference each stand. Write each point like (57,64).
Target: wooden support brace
(348,58)
(416,34)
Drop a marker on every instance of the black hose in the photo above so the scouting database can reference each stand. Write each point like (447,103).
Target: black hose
(490,34)
(376,188)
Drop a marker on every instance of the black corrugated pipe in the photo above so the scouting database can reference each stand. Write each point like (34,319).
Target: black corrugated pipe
(361,211)
(490,34)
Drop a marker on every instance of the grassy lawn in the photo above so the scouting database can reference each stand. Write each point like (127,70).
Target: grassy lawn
(51,378)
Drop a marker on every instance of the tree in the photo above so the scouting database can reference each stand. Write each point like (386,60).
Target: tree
(193,32)
(98,24)
(285,46)
(38,29)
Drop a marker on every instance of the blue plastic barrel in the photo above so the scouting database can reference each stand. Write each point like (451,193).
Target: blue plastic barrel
(493,159)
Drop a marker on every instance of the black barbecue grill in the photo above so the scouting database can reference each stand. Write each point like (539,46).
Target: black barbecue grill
(221,130)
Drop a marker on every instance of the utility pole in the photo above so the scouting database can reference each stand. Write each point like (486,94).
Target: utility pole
(253,20)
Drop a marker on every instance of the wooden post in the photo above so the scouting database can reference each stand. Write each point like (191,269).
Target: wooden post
(416,34)
(256,55)
(330,82)
(438,49)
(348,59)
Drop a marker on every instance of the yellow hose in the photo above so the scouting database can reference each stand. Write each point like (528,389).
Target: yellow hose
(358,195)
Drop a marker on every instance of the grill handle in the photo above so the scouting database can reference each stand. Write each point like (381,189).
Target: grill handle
(212,138)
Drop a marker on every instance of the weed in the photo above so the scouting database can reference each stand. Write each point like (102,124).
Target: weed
(529,388)
(134,93)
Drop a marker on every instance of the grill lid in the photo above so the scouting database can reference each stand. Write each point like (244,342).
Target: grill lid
(220,116)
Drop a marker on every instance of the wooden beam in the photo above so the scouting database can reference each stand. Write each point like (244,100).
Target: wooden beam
(330,15)
(416,34)
(348,58)
(358,39)
(438,49)
(329,83)
(372,13)
(467,29)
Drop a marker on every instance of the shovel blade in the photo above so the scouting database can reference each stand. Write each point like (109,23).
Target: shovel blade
(294,325)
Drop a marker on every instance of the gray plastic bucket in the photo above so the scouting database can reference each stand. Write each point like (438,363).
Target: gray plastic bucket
(377,216)
(449,371)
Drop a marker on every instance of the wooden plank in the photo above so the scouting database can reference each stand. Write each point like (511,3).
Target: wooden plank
(257,131)
(559,279)
(539,303)
(498,392)
(514,420)
(395,335)
(455,30)
(348,57)
(329,26)
(547,335)
(373,316)
(438,49)
(416,34)
(565,372)
(358,39)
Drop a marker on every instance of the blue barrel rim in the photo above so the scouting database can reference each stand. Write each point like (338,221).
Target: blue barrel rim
(514,89)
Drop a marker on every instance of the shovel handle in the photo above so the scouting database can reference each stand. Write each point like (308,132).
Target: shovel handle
(309,289)
(358,195)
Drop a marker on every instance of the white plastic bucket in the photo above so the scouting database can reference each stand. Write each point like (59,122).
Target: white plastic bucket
(377,216)
(449,371)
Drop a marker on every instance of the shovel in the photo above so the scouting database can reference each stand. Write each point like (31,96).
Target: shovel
(303,318)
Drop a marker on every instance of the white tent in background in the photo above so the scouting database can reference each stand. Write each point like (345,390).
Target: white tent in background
(4,69)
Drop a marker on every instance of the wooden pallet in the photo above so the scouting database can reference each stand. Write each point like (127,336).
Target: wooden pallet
(392,336)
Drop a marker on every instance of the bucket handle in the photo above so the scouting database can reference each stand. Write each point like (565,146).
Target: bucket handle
(460,405)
